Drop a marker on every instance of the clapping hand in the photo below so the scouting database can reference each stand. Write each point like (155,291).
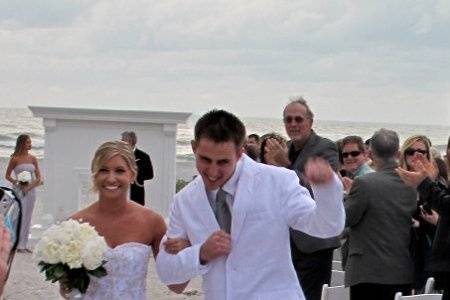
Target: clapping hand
(422,168)
(347,183)
(276,154)
(429,167)
(431,217)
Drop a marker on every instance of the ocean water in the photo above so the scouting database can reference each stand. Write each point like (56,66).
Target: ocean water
(14,121)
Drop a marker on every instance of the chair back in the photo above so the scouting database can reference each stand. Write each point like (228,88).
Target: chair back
(337,278)
(399,296)
(429,286)
(337,255)
(336,265)
(335,292)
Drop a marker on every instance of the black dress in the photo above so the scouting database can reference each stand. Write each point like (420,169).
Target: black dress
(437,196)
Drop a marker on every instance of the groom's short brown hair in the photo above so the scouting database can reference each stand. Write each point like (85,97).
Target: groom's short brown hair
(220,126)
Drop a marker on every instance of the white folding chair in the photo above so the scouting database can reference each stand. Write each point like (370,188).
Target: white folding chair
(336,265)
(399,296)
(337,254)
(429,286)
(335,292)
(337,278)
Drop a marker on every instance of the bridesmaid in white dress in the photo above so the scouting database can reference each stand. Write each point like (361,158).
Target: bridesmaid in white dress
(22,160)
(132,231)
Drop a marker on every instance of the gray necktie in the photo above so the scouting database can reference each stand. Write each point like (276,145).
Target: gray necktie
(222,211)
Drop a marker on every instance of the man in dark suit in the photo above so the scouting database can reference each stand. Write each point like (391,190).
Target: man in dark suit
(145,168)
(312,257)
(379,208)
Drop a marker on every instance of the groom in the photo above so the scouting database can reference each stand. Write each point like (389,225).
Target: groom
(237,215)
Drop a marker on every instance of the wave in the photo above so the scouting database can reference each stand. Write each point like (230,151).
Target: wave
(7,138)
(185,157)
(33,135)
(184,142)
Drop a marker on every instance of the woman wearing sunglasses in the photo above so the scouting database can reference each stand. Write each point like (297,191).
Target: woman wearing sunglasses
(354,156)
(438,195)
(424,219)
(413,147)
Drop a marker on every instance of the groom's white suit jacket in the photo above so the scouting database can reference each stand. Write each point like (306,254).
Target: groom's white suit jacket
(268,200)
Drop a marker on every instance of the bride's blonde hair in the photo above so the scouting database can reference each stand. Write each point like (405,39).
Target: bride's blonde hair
(108,150)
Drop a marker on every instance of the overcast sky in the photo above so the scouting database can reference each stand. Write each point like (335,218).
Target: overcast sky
(353,60)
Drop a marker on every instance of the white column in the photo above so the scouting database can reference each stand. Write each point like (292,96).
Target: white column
(169,159)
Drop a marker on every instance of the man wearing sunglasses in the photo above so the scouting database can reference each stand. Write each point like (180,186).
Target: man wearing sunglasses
(378,211)
(312,257)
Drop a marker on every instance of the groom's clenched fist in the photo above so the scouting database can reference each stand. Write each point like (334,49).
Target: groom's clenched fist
(218,244)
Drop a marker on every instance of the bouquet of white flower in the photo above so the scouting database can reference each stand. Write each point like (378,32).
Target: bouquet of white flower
(24,178)
(69,252)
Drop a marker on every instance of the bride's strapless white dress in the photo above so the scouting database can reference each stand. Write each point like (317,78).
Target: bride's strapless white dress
(127,267)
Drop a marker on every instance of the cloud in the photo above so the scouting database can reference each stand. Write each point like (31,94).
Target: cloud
(41,14)
(372,60)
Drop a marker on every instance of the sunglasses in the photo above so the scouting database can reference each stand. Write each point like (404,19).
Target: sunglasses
(411,151)
(351,153)
(297,119)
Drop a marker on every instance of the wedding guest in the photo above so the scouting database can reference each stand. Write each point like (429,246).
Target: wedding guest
(132,231)
(378,208)
(438,197)
(253,139)
(422,231)
(354,159)
(367,147)
(144,168)
(5,248)
(22,161)
(263,157)
(447,156)
(252,151)
(341,168)
(252,146)
(10,220)
(354,156)
(442,170)
(237,215)
(312,257)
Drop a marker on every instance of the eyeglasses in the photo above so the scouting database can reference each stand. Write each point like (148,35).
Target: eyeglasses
(351,153)
(411,151)
(297,119)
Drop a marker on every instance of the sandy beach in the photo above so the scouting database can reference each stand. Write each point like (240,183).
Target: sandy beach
(26,282)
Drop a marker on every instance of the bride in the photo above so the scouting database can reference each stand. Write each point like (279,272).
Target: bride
(131,231)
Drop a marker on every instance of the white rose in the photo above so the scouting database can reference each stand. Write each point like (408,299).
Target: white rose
(70,254)
(24,176)
(87,232)
(47,251)
(93,252)
(72,243)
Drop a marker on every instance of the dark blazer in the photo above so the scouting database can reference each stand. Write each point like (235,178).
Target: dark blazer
(322,147)
(145,172)
(379,208)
